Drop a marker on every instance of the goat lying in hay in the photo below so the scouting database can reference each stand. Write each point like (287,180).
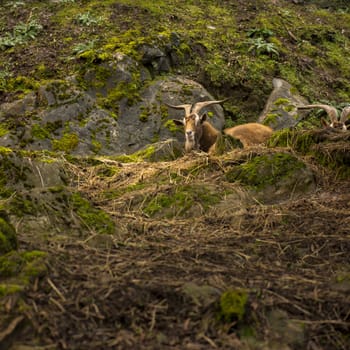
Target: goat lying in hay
(332,114)
(200,134)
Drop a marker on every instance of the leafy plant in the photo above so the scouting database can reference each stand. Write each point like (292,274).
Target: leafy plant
(261,47)
(257,32)
(22,32)
(28,30)
(83,47)
(86,19)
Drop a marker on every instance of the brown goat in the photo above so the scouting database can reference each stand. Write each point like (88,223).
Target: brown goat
(200,134)
(250,134)
(332,114)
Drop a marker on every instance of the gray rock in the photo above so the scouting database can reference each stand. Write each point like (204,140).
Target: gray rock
(280,109)
(18,108)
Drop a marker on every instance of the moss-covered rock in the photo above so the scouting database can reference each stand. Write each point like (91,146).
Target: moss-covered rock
(19,269)
(274,176)
(265,170)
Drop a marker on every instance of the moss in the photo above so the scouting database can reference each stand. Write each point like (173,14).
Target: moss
(8,289)
(139,156)
(21,267)
(172,127)
(22,84)
(34,265)
(39,132)
(3,129)
(22,205)
(271,119)
(233,305)
(265,170)
(25,264)
(94,218)
(8,238)
(124,90)
(67,143)
(179,200)
(96,146)
(5,150)
(145,113)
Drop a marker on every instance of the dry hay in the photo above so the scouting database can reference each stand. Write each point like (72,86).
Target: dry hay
(156,283)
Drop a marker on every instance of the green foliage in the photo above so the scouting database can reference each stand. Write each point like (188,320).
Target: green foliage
(260,32)
(260,46)
(22,32)
(80,50)
(87,19)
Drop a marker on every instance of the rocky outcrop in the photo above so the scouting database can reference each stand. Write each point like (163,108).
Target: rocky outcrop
(120,111)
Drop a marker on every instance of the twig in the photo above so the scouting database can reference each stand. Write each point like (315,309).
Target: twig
(10,329)
(56,289)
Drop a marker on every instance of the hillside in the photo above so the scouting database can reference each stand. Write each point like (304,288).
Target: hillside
(111,237)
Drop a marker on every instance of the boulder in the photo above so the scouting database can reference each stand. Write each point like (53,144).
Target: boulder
(280,109)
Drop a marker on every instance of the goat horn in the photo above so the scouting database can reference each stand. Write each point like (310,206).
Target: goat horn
(344,114)
(197,107)
(186,107)
(331,111)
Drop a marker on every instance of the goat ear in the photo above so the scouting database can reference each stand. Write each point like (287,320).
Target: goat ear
(178,122)
(203,117)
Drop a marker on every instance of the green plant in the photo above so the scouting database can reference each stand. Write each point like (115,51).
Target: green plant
(262,47)
(258,32)
(81,48)
(22,32)
(86,19)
